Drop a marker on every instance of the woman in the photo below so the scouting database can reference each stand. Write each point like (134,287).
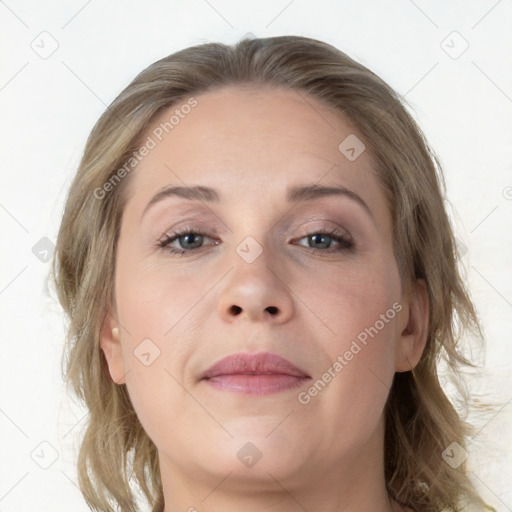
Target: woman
(252,369)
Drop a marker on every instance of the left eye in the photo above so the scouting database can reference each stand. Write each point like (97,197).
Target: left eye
(324,239)
(190,240)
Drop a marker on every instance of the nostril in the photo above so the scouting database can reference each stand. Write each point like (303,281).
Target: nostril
(272,310)
(236,310)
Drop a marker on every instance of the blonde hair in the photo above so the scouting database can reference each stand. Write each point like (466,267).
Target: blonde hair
(421,422)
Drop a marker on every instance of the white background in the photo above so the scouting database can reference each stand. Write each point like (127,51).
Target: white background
(49,105)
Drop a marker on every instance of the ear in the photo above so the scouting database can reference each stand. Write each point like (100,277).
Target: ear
(110,343)
(414,333)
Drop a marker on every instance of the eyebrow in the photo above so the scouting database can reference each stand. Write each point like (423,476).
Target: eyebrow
(294,194)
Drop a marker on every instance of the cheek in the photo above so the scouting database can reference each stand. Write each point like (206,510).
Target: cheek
(350,299)
(154,317)
(154,367)
(360,312)
(154,312)
(153,301)
(350,390)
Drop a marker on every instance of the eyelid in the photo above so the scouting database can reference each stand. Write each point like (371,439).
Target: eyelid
(212,231)
(307,228)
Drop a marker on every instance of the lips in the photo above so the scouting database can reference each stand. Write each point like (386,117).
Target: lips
(263,363)
(254,374)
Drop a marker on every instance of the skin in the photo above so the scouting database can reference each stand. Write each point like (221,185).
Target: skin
(251,144)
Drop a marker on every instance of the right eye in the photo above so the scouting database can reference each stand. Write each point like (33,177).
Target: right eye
(189,240)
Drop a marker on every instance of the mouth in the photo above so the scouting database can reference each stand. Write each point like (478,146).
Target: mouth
(254,374)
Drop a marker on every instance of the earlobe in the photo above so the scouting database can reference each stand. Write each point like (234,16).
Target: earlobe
(413,337)
(110,344)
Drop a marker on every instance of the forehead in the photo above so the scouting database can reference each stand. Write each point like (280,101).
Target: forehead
(249,140)
(267,117)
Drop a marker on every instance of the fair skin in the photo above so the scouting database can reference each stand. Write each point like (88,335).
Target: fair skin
(295,299)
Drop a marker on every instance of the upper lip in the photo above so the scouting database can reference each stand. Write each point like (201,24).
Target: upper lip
(253,364)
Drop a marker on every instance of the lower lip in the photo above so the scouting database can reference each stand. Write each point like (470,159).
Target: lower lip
(260,384)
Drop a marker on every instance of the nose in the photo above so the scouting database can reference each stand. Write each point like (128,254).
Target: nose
(257,292)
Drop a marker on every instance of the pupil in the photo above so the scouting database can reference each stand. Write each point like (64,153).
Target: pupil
(316,237)
(189,238)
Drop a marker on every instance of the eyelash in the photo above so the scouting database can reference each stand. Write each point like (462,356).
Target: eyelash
(346,244)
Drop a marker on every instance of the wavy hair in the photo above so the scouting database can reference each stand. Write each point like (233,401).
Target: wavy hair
(420,420)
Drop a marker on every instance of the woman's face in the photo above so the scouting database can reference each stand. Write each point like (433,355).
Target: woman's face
(304,275)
